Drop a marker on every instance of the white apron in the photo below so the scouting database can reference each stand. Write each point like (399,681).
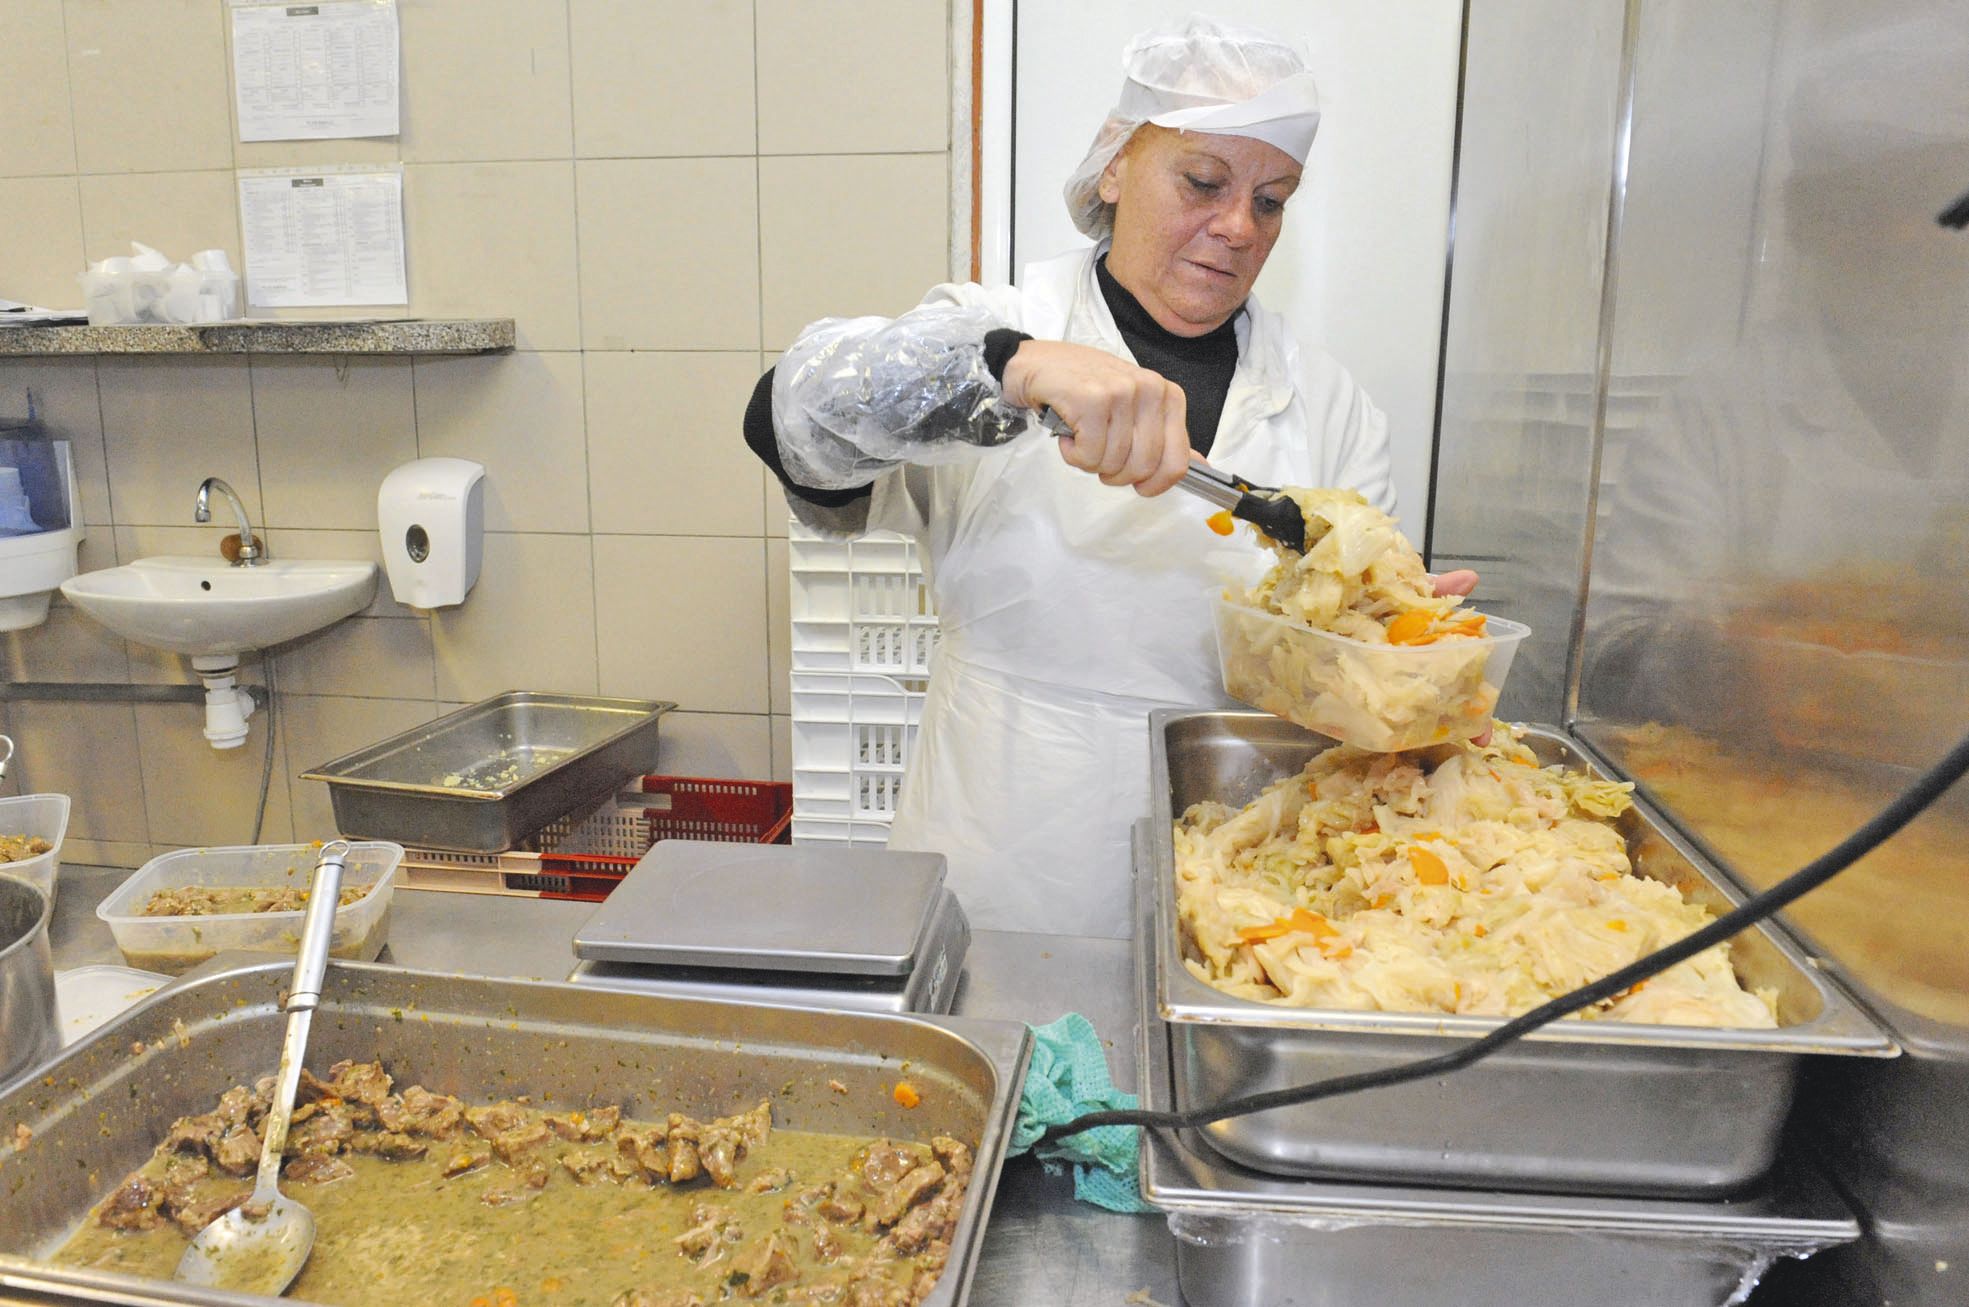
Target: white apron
(1071,609)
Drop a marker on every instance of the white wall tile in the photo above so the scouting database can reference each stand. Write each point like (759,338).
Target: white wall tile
(175,213)
(495,240)
(681,618)
(666,455)
(662,77)
(39,132)
(329,431)
(66,647)
(195,794)
(820,67)
(150,84)
(485,80)
(105,853)
(321,729)
(520,415)
(782,747)
(87,751)
(362,657)
(844,235)
(669,253)
(42,270)
(168,423)
(730,746)
(528,625)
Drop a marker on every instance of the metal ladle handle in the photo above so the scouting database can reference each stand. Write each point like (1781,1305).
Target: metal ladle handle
(303,995)
(6,754)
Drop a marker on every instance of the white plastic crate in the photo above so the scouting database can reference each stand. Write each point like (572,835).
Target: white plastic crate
(860,605)
(864,638)
(852,738)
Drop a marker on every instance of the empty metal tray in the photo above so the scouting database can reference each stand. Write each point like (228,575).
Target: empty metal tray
(486,777)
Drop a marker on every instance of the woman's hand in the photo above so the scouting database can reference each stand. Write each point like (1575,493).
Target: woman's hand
(1128,423)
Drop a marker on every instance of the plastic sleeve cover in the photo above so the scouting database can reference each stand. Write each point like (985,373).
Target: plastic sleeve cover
(855,397)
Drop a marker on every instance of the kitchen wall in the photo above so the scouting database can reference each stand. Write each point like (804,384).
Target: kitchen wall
(660,192)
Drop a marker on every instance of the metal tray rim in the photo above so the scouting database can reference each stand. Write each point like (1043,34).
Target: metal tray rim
(1841,1027)
(337,772)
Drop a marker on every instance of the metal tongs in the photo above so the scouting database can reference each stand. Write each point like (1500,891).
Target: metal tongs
(1262,506)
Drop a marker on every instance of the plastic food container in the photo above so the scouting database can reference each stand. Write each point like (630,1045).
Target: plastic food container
(1381,697)
(173,945)
(45,815)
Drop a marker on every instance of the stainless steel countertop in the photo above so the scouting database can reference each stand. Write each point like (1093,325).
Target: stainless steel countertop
(1042,1249)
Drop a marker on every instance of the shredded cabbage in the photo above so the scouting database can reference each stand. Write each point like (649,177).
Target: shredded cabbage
(1408,667)
(1467,880)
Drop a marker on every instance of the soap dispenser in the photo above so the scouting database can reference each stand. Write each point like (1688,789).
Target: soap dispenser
(40,527)
(432,516)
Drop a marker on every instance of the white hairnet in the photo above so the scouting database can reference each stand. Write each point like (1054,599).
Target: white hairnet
(1199,75)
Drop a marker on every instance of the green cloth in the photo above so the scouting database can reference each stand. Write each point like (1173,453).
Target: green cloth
(1069,1077)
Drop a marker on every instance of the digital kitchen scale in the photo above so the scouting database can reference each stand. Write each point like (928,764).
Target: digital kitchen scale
(864,929)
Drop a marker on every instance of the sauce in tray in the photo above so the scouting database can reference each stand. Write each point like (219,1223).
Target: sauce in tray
(510,1205)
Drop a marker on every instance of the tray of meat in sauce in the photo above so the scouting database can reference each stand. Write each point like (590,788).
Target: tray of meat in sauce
(461,1139)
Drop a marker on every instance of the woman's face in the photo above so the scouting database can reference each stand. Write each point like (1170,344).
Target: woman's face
(1195,216)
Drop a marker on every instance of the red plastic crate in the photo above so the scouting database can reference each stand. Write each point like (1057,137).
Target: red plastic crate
(584,856)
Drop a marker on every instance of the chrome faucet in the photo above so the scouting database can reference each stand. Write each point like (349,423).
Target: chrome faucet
(250,553)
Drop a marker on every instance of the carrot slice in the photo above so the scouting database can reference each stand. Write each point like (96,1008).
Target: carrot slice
(1429,869)
(1221,522)
(1410,627)
(906,1094)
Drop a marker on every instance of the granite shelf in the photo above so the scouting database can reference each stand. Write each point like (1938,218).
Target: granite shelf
(403,336)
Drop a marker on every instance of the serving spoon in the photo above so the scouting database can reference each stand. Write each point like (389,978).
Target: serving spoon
(261,1245)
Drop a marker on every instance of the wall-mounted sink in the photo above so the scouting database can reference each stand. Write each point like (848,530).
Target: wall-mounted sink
(209,608)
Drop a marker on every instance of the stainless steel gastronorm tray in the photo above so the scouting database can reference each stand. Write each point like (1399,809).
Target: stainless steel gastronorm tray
(1247,1239)
(95,1112)
(1579,1107)
(486,777)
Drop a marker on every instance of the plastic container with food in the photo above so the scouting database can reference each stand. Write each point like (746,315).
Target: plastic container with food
(30,817)
(174,944)
(1381,697)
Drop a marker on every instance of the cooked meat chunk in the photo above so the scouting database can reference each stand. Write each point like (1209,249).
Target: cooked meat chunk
(360,1082)
(773,1177)
(585,1127)
(885,1163)
(763,1266)
(890,1204)
(506,1194)
(317,1168)
(322,1134)
(718,1152)
(387,1143)
(646,1151)
(489,1121)
(535,1175)
(515,1143)
(435,1116)
(753,1127)
(587,1168)
(955,1156)
(211,900)
(183,1170)
(134,1206)
(192,1214)
(835,1207)
(702,1240)
(238,1151)
(684,1162)
(876,1291)
(927,1222)
(827,1243)
(194,1134)
(461,1162)
(657,1298)
(241,1106)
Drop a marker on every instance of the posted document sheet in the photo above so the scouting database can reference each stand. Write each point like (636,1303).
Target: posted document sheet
(315,71)
(323,236)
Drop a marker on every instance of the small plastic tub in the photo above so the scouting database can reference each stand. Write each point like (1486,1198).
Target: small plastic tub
(1380,697)
(45,815)
(174,945)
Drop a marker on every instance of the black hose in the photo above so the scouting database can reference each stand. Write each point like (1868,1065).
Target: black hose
(1905,807)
